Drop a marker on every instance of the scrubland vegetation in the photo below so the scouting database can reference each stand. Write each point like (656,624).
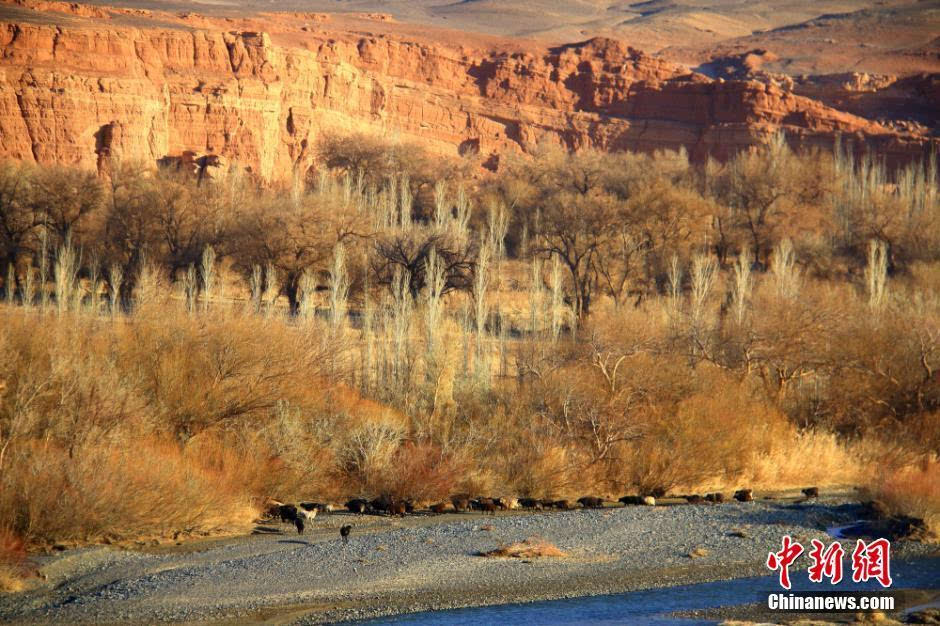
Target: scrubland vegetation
(177,348)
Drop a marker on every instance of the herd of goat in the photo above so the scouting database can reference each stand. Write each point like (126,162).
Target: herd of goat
(303,512)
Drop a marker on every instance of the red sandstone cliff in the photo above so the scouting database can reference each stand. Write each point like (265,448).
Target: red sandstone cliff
(93,90)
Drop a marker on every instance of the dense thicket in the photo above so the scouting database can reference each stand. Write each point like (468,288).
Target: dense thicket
(394,324)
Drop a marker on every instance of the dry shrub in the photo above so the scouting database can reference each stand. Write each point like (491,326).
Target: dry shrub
(530,548)
(478,480)
(376,458)
(913,491)
(141,488)
(367,454)
(707,438)
(808,458)
(196,395)
(202,373)
(12,557)
(540,467)
(521,451)
(248,465)
(421,471)
(10,579)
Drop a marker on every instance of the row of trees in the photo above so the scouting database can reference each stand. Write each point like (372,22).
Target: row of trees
(617,223)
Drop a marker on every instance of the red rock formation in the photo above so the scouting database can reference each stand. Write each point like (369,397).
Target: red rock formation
(90,92)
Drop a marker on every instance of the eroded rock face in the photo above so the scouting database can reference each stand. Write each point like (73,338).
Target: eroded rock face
(90,94)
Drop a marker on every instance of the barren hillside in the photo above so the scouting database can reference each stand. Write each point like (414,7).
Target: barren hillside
(83,84)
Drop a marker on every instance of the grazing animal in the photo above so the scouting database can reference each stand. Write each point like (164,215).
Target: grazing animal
(358,505)
(694,499)
(409,506)
(744,495)
(317,506)
(480,504)
(461,504)
(811,492)
(591,502)
(287,512)
(488,507)
(397,508)
(648,501)
(309,509)
(563,505)
(716,497)
(382,503)
(272,508)
(440,507)
(547,504)
(299,523)
(344,532)
(530,503)
(631,500)
(502,503)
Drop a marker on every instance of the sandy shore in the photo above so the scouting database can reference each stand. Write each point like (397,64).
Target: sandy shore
(419,563)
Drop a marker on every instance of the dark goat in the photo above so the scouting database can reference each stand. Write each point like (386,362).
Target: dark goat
(287,512)
(383,503)
(358,505)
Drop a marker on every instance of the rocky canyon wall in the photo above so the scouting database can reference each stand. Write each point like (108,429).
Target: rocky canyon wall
(91,92)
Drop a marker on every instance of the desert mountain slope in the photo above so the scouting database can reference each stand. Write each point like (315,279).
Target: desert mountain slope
(82,84)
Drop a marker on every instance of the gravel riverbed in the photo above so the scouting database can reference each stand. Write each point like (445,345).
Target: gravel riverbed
(421,562)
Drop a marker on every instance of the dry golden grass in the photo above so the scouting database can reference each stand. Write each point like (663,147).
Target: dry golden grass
(808,458)
(531,548)
(10,580)
(913,491)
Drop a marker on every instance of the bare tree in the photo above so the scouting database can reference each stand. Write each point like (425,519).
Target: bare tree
(410,251)
(67,199)
(19,220)
(270,230)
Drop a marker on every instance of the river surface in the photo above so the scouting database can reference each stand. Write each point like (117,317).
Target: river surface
(655,606)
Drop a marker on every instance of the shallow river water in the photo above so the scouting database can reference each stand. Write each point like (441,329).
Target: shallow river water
(655,606)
